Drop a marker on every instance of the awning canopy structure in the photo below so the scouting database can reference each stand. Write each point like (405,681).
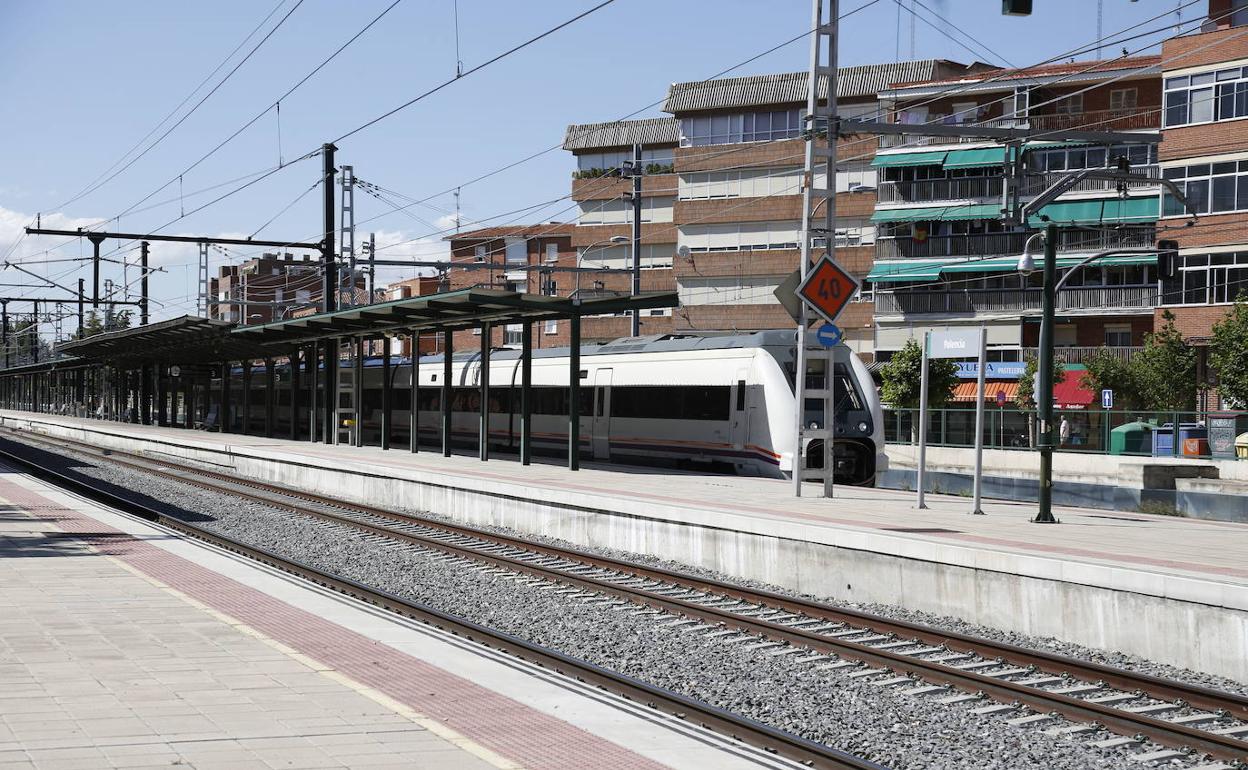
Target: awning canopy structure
(1097,210)
(986,156)
(965,391)
(178,340)
(939,213)
(1070,393)
(446,311)
(910,159)
(897,270)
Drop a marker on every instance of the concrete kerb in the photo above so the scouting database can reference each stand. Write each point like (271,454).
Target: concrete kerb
(1191,622)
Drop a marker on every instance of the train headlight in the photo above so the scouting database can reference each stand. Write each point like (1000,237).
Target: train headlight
(862,427)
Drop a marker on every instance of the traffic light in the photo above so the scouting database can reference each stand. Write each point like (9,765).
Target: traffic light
(1016,7)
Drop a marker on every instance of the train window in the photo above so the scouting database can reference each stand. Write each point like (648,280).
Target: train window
(740,395)
(600,397)
(662,402)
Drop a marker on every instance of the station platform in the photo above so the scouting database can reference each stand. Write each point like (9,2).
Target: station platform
(1170,589)
(124,645)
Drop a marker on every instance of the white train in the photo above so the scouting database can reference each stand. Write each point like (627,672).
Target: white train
(713,402)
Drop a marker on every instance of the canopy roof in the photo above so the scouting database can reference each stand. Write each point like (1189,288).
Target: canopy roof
(898,270)
(179,340)
(462,309)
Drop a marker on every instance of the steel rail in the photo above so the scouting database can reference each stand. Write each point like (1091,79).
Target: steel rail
(736,726)
(1162,731)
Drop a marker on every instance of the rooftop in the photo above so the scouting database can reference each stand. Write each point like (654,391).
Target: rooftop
(621,133)
(1047,73)
(790,87)
(546,230)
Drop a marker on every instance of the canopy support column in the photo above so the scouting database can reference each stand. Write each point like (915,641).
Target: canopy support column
(526,395)
(357,391)
(245,428)
(413,413)
(223,412)
(483,431)
(386,386)
(268,397)
(448,350)
(574,393)
(313,355)
(330,388)
(294,363)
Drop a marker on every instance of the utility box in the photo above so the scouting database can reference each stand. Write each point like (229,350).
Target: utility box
(1132,438)
(1193,440)
(1223,429)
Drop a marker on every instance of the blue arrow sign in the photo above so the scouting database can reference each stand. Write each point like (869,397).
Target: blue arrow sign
(829,335)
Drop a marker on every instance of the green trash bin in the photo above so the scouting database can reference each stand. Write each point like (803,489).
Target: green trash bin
(1131,438)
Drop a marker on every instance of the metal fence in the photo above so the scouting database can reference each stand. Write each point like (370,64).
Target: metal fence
(1149,434)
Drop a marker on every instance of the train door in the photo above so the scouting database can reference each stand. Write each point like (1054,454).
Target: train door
(740,411)
(601,431)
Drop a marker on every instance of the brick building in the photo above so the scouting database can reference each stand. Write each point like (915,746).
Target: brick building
(944,255)
(276,285)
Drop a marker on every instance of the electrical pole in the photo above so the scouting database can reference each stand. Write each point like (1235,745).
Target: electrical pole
(4,328)
(1044,398)
(143,296)
(346,224)
(372,267)
(96,239)
(329,302)
(636,235)
(201,304)
(34,328)
(82,329)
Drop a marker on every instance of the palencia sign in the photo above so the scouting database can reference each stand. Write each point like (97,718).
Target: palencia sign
(960,343)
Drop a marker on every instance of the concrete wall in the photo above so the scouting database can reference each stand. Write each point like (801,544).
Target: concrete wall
(1190,622)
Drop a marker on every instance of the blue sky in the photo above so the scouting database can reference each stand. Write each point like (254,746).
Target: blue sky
(84,81)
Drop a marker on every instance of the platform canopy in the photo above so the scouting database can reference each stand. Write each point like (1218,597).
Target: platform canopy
(187,339)
(462,309)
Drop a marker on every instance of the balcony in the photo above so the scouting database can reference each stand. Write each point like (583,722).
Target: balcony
(1082,355)
(985,244)
(972,188)
(976,301)
(1096,120)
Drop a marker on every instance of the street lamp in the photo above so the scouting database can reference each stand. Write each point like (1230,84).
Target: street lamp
(581,256)
(1044,368)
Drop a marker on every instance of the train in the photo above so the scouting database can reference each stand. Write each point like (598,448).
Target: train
(720,403)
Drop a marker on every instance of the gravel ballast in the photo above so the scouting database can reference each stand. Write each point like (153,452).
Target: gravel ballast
(851,714)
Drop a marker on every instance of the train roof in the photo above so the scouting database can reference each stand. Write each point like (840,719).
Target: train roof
(654,343)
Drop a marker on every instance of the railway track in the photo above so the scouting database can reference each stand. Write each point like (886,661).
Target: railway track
(926,662)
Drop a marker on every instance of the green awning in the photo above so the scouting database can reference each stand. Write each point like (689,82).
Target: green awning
(910,159)
(1098,210)
(938,213)
(905,270)
(1127,259)
(989,156)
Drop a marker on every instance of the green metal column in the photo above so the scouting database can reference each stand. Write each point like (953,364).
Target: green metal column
(269,400)
(483,428)
(1044,399)
(295,382)
(357,390)
(574,393)
(329,389)
(413,412)
(245,426)
(526,387)
(386,405)
(448,350)
(223,412)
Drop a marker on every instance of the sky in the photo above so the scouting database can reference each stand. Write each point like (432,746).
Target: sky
(84,82)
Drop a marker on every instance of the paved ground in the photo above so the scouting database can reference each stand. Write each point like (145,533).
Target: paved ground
(102,667)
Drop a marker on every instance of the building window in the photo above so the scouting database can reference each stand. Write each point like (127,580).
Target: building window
(1069,105)
(517,251)
(620,212)
(1118,335)
(1022,102)
(552,327)
(1204,279)
(740,183)
(479,253)
(512,334)
(760,126)
(653,255)
(1206,97)
(552,252)
(1211,188)
(1072,158)
(743,236)
(303,295)
(610,161)
(1121,99)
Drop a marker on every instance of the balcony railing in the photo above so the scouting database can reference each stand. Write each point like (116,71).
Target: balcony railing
(971,301)
(971,188)
(1081,355)
(987,244)
(1097,120)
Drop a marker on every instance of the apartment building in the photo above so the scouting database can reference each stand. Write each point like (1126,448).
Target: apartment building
(267,288)
(1205,152)
(946,256)
(514,258)
(413,287)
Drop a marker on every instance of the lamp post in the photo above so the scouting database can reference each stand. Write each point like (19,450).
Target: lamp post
(581,256)
(1044,368)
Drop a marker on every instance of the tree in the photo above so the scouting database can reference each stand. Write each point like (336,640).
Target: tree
(1228,353)
(1026,398)
(900,376)
(1166,369)
(93,324)
(1107,371)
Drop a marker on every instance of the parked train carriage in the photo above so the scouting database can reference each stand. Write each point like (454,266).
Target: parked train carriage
(718,403)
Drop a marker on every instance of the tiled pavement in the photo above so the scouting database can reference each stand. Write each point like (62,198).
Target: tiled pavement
(102,668)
